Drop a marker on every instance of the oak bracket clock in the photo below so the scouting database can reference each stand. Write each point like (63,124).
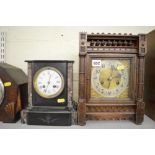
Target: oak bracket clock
(13,92)
(111,77)
(50,89)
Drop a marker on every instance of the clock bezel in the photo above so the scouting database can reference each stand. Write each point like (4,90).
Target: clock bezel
(132,76)
(36,87)
(2,87)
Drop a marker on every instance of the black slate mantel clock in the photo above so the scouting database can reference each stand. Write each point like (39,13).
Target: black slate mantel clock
(50,93)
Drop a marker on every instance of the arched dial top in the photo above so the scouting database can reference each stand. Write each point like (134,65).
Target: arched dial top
(1,91)
(110,78)
(48,82)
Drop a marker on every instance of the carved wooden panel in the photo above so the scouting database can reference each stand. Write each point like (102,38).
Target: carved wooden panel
(115,108)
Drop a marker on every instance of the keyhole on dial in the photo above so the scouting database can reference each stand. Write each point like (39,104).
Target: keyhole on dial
(117,82)
(102,82)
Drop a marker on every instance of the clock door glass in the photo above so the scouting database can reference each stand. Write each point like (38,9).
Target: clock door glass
(1,91)
(110,78)
(48,82)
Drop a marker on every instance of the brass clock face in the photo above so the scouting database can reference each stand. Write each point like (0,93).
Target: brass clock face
(110,78)
(1,91)
(48,82)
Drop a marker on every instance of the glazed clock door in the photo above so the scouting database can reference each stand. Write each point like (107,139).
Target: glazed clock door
(112,78)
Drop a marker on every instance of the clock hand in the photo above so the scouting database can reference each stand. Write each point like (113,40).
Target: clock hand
(111,77)
(117,76)
(48,83)
(109,84)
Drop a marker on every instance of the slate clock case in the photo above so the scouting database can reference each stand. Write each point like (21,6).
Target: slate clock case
(111,77)
(50,93)
(13,92)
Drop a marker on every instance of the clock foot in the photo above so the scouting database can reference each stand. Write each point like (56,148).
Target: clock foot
(139,120)
(81,114)
(10,118)
(140,112)
(81,122)
(81,119)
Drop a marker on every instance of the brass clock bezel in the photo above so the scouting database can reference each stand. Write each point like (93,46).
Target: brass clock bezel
(2,87)
(36,86)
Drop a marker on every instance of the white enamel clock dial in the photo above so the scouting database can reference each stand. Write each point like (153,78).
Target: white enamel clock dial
(110,78)
(1,91)
(48,82)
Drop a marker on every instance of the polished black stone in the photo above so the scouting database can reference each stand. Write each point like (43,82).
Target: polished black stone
(53,117)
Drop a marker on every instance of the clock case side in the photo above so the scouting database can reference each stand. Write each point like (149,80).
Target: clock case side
(142,51)
(82,80)
(150,76)
(70,85)
(29,84)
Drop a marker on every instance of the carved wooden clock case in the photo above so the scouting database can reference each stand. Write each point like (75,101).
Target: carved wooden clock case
(50,89)
(13,92)
(111,77)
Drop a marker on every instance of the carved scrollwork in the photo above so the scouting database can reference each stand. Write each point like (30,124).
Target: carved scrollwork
(142,45)
(112,43)
(83,42)
(110,109)
(140,104)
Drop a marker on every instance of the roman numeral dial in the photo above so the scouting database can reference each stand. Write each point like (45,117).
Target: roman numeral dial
(48,82)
